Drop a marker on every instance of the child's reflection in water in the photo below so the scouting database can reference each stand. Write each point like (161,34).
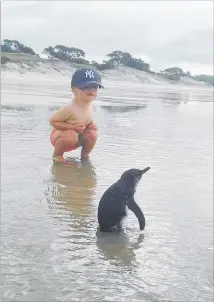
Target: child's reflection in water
(74,187)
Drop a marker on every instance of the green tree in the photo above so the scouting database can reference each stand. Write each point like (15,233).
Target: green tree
(209,79)
(138,64)
(14,46)
(50,52)
(103,66)
(173,73)
(118,57)
(67,54)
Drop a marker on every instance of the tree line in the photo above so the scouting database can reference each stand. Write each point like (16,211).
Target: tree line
(115,58)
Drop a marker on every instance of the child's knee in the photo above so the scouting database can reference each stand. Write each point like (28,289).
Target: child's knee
(91,134)
(67,139)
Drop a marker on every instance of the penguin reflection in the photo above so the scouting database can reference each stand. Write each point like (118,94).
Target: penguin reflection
(74,188)
(117,247)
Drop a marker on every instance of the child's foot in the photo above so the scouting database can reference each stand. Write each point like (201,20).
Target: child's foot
(85,156)
(59,159)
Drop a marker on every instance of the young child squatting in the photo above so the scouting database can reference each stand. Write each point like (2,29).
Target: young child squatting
(73,125)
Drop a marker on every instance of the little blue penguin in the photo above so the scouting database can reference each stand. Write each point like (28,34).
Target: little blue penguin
(112,205)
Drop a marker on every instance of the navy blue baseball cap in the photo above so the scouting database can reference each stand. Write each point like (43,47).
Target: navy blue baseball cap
(85,76)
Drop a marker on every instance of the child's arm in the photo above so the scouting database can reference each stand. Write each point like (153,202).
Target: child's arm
(59,120)
(92,126)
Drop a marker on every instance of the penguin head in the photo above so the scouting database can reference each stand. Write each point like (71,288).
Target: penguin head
(131,177)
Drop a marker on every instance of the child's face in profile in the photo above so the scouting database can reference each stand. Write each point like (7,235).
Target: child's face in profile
(86,93)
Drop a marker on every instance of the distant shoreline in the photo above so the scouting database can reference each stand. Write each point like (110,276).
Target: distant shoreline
(22,58)
(25,64)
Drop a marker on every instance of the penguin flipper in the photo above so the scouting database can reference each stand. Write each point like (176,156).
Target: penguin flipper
(132,205)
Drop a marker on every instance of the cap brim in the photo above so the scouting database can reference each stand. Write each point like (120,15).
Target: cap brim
(87,83)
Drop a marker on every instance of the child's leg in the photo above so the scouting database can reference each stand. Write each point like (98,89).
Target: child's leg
(63,141)
(88,140)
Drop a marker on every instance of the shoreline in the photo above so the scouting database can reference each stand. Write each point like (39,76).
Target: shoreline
(55,68)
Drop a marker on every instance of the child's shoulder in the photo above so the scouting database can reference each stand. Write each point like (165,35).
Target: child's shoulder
(67,107)
(64,111)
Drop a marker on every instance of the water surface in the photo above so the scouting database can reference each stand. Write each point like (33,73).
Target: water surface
(50,247)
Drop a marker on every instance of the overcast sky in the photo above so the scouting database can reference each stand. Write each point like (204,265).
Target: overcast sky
(163,33)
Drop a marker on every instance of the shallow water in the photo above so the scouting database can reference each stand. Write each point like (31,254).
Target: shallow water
(50,247)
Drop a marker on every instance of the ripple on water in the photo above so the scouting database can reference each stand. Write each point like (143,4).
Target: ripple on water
(51,249)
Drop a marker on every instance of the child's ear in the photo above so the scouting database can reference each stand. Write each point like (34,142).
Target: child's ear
(74,90)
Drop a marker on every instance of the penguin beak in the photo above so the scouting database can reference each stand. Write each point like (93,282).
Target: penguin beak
(145,170)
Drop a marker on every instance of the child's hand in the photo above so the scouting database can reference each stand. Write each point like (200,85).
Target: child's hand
(92,126)
(78,127)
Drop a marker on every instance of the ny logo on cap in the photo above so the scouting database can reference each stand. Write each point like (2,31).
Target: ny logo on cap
(89,73)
